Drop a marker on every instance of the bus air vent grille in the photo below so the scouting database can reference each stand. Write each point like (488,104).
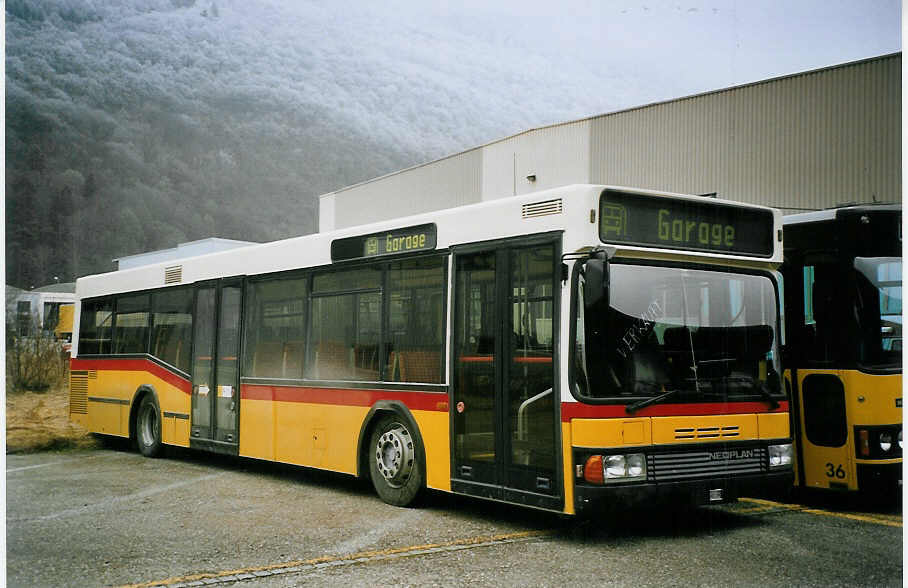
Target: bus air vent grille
(542,208)
(707,432)
(173,274)
(703,464)
(78,391)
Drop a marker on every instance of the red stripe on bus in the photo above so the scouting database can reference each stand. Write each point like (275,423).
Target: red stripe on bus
(576,410)
(432,401)
(133,365)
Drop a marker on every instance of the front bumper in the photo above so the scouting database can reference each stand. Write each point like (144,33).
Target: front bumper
(590,499)
(883,478)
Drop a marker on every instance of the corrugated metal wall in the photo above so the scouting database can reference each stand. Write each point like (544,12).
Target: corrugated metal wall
(810,141)
(445,183)
(804,142)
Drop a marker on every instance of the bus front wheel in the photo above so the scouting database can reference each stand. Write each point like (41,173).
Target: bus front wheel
(394,463)
(148,427)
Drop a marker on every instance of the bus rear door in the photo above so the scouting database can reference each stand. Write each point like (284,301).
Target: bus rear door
(215,366)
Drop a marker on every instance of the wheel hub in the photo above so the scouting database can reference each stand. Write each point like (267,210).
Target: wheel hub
(394,455)
(149,426)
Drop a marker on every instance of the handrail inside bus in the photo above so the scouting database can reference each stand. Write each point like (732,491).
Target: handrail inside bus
(521,422)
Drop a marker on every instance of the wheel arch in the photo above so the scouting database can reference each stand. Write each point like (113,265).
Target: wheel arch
(378,410)
(140,393)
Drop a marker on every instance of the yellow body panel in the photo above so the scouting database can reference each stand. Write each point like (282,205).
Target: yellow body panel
(567,442)
(618,432)
(704,429)
(110,396)
(434,428)
(65,321)
(257,429)
(105,418)
(313,435)
(326,436)
(870,399)
(774,425)
(611,432)
(873,399)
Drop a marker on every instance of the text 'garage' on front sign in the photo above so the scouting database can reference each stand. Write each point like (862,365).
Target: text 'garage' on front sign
(393,242)
(674,223)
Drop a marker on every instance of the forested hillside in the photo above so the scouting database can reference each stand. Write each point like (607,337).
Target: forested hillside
(139,124)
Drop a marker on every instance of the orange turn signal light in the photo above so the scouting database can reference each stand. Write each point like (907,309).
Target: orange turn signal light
(593,472)
(864,437)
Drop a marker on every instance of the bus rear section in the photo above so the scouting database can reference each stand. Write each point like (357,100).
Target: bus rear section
(843,307)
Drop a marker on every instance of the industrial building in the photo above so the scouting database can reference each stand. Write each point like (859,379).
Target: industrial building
(807,141)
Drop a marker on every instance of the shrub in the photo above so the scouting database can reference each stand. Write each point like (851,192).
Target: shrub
(34,361)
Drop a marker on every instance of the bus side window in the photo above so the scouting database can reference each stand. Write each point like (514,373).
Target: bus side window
(172,327)
(345,325)
(275,328)
(131,324)
(413,342)
(95,333)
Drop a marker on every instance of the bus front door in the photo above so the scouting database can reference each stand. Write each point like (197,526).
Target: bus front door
(505,408)
(215,370)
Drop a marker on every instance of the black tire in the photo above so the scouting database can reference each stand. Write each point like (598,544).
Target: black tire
(395,461)
(148,427)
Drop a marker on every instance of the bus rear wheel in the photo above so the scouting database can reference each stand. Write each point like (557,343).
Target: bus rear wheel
(394,462)
(148,427)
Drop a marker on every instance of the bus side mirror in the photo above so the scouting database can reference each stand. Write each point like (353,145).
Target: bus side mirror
(595,280)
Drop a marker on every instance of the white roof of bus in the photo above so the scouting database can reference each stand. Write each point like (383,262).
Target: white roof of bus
(485,221)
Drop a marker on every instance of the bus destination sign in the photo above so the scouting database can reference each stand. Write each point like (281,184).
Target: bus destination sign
(669,223)
(393,242)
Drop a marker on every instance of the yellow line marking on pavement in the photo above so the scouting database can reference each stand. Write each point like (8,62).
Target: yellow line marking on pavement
(753,510)
(363,555)
(842,515)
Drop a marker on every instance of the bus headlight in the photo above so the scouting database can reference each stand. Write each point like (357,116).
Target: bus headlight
(625,468)
(780,455)
(615,467)
(636,465)
(885,441)
(900,438)
(604,469)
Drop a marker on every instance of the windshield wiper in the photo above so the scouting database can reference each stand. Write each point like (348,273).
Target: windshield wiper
(632,408)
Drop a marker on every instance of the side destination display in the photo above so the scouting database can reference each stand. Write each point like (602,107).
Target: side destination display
(393,242)
(653,221)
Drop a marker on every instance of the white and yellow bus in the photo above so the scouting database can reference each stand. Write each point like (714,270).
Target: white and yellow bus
(843,317)
(565,350)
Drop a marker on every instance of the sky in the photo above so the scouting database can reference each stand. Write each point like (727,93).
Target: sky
(632,53)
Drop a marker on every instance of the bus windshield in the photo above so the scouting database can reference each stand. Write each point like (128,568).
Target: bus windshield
(696,335)
(879,310)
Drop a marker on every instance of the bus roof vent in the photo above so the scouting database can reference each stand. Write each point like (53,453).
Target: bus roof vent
(173,274)
(544,208)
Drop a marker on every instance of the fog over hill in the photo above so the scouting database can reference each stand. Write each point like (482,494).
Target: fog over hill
(134,125)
